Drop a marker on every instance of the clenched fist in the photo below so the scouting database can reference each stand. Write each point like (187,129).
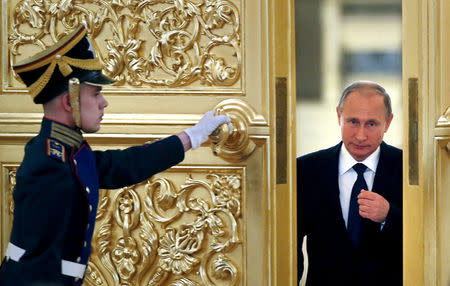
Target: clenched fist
(373,206)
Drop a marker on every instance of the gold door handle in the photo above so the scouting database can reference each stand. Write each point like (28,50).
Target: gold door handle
(220,135)
(235,145)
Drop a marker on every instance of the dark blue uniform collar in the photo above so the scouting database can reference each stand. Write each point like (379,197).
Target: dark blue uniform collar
(62,133)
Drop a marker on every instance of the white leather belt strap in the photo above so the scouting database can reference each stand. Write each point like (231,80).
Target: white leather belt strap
(72,269)
(13,252)
(68,268)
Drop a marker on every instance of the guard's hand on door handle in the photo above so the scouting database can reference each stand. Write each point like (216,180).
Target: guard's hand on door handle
(220,135)
(227,128)
(232,142)
(210,121)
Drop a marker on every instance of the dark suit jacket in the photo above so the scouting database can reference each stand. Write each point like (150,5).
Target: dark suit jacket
(331,255)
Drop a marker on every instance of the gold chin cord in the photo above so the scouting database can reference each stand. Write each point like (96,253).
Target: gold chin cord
(74,93)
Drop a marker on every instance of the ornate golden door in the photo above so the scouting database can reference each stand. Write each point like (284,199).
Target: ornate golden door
(426,82)
(226,214)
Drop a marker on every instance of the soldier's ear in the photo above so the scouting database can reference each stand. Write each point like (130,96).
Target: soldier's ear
(65,101)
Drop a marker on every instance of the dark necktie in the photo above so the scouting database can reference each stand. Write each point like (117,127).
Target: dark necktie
(355,221)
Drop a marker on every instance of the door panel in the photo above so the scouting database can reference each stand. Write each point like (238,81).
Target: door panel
(426,201)
(443,210)
(220,219)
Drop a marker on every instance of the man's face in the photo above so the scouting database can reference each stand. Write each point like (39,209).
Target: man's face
(363,123)
(92,104)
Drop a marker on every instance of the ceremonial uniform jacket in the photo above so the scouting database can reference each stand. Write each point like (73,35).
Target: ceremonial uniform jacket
(56,197)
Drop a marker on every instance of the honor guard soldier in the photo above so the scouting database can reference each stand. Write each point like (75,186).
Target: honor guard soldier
(57,189)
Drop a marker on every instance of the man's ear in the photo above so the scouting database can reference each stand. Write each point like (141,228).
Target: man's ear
(388,123)
(65,101)
(338,116)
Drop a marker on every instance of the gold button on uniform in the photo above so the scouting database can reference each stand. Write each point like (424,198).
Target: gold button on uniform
(85,244)
(90,207)
(87,190)
(78,259)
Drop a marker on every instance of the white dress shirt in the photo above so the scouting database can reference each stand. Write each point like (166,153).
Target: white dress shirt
(347,176)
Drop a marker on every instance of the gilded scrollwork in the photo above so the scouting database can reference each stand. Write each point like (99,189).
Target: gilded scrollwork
(184,282)
(224,268)
(158,43)
(154,232)
(121,253)
(93,276)
(227,191)
(12,182)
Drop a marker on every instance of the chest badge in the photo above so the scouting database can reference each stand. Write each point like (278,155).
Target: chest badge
(56,150)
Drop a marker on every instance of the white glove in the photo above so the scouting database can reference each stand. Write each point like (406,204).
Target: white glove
(199,132)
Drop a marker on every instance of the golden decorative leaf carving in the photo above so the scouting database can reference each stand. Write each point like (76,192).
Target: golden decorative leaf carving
(184,282)
(224,268)
(93,276)
(177,248)
(12,182)
(12,172)
(157,43)
(154,232)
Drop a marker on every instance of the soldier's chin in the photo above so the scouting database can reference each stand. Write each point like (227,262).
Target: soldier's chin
(90,129)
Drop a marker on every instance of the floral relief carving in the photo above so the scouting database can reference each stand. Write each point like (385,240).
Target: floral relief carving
(93,275)
(184,282)
(155,233)
(176,249)
(12,172)
(224,268)
(157,43)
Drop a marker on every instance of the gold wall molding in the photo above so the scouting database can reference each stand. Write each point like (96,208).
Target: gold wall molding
(444,119)
(252,118)
(425,226)
(21,127)
(163,44)
(441,222)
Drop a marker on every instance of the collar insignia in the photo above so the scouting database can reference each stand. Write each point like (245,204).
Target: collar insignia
(65,135)
(56,150)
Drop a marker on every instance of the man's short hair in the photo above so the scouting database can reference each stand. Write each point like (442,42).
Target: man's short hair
(358,85)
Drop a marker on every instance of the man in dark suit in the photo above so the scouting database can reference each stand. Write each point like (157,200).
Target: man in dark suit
(56,195)
(350,198)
